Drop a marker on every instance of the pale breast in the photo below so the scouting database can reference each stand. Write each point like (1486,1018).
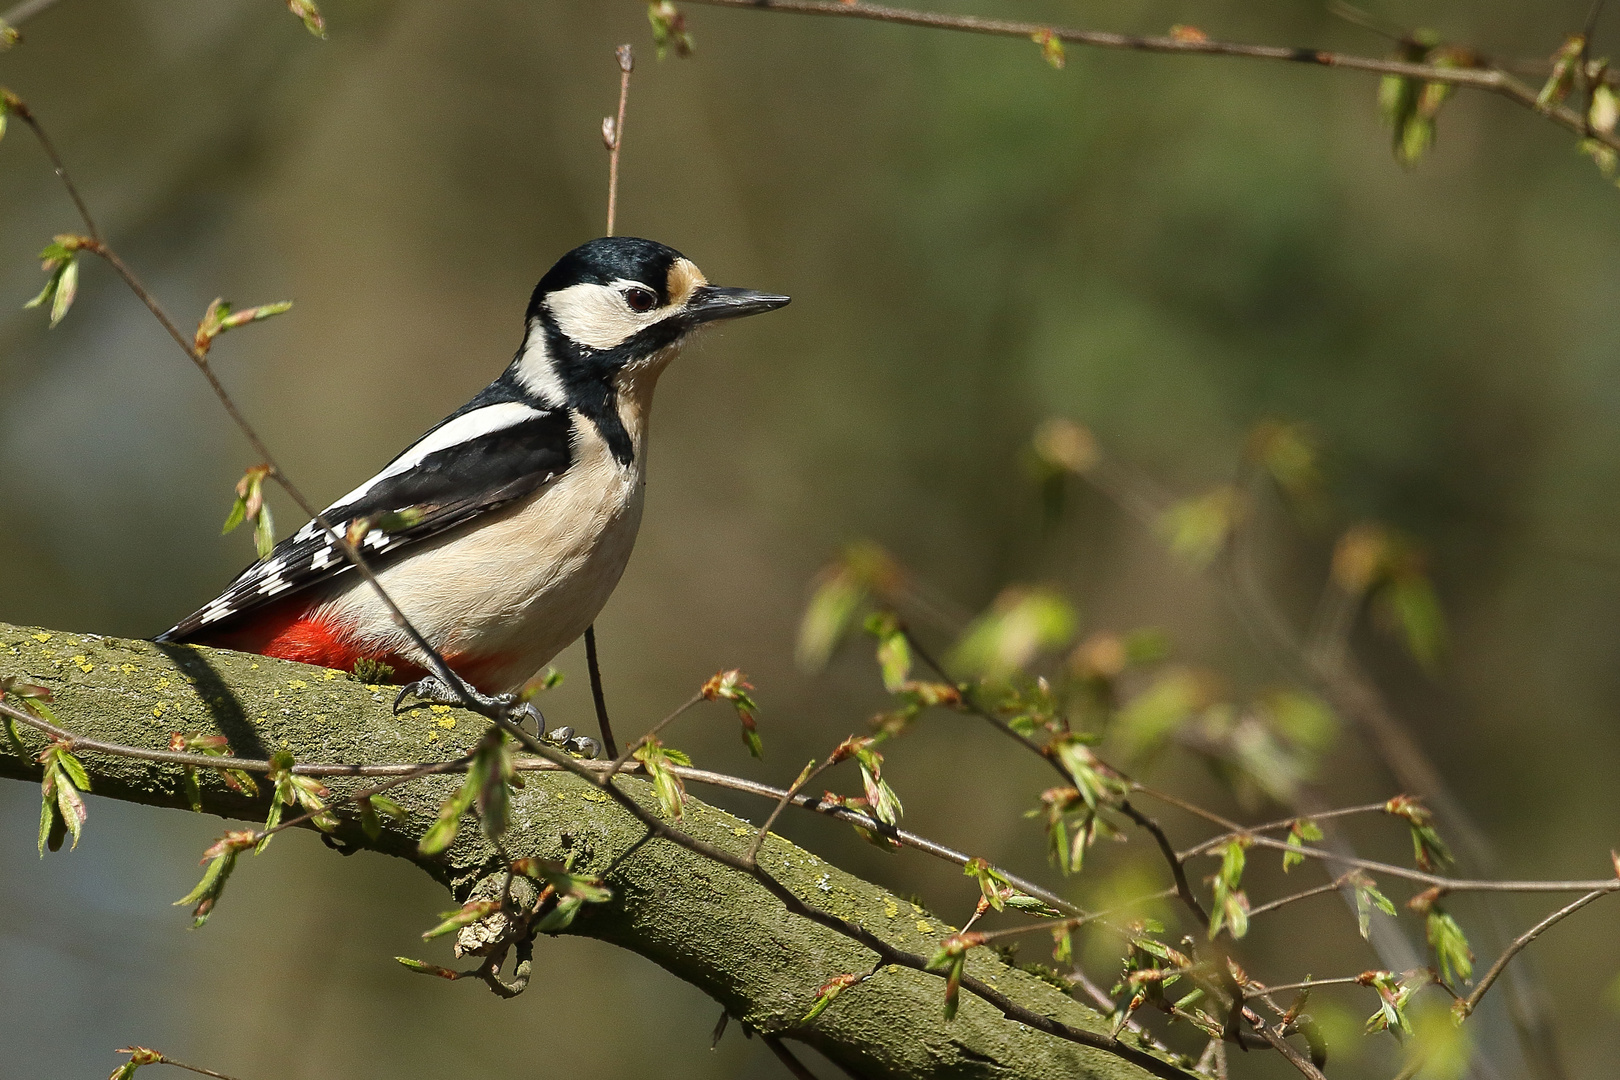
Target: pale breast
(515,588)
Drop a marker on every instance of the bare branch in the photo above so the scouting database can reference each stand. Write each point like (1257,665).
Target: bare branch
(1471,1003)
(1480,78)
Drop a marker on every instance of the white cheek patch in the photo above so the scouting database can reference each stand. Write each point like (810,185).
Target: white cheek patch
(536,371)
(596,316)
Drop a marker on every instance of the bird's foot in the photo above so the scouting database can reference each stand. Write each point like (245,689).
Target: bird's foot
(435,691)
(579,745)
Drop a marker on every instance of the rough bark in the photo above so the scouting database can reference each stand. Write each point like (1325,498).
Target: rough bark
(708,925)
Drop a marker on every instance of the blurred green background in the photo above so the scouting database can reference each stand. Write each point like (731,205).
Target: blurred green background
(1165,249)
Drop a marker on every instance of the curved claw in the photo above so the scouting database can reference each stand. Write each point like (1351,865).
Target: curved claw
(408,688)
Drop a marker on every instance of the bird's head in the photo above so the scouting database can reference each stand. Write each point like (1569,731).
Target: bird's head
(619,305)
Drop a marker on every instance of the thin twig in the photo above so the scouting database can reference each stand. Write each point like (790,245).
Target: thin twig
(618,762)
(1281,823)
(627,63)
(411,770)
(26,114)
(1492,79)
(1309,984)
(1331,887)
(157,1058)
(804,778)
(1472,1002)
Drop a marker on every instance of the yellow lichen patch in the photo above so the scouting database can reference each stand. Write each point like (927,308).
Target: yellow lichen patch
(162,684)
(440,709)
(890,908)
(157,710)
(128,669)
(42,637)
(593,796)
(83,663)
(297,684)
(447,722)
(740,831)
(923,927)
(331,673)
(432,735)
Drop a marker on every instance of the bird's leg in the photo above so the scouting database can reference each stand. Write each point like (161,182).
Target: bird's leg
(434,690)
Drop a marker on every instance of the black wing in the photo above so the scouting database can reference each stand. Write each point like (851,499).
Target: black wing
(472,463)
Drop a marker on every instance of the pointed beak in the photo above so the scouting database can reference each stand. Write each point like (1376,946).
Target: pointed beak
(709,303)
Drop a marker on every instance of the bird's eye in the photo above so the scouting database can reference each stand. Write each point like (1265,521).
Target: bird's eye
(640,300)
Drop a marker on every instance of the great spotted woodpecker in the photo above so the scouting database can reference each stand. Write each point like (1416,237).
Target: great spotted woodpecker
(502,531)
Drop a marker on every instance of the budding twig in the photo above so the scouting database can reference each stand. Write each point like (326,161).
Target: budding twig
(613,131)
(1489,78)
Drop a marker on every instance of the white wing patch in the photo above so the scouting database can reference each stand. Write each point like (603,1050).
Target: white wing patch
(464,428)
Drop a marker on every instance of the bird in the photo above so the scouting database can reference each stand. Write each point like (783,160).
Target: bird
(503,530)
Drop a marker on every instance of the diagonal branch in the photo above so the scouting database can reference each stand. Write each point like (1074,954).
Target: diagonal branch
(699,909)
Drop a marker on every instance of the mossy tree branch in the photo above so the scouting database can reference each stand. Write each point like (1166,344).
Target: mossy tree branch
(707,924)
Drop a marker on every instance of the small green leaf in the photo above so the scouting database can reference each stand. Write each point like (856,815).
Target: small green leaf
(1231,906)
(221,861)
(1051,47)
(264,533)
(47,818)
(656,759)
(311,15)
(1562,79)
(468,913)
(1289,454)
(669,29)
(1428,850)
(422,967)
(1367,898)
(560,917)
(949,961)
(442,833)
(1303,830)
(1020,625)
(733,686)
(371,807)
(1451,951)
(1197,529)
(893,650)
(74,768)
(863,570)
(1150,719)
(830,990)
(67,287)
(1417,609)
(237,515)
(1097,784)
(992,882)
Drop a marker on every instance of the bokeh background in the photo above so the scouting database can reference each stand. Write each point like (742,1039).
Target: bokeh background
(1165,249)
